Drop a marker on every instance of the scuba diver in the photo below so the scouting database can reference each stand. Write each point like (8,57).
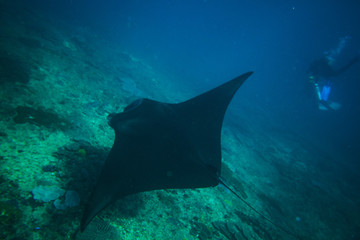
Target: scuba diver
(322,74)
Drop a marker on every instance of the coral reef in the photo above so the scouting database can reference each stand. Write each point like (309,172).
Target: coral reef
(47,193)
(58,83)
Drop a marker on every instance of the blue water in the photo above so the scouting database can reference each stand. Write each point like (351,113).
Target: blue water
(207,42)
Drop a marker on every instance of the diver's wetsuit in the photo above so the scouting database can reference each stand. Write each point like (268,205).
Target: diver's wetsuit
(321,68)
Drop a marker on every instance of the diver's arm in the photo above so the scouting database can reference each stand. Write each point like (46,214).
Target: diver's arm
(347,66)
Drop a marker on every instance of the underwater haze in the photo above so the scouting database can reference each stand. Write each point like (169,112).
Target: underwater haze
(290,138)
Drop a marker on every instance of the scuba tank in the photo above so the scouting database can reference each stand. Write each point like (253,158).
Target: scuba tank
(325,92)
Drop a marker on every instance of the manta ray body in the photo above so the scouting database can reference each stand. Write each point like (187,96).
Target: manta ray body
(162,145)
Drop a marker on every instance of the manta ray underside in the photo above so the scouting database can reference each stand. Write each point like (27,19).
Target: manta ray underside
(161,145)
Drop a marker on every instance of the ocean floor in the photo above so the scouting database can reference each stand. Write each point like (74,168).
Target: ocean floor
(59,83)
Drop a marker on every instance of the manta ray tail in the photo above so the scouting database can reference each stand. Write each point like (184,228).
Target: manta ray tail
(258,212)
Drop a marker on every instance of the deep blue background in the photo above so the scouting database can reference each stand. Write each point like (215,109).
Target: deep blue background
(205,43)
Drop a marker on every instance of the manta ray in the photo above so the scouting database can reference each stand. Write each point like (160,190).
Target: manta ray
(163,146)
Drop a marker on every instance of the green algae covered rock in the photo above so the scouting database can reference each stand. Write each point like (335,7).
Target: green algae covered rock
(9,214)
(13,69)
(40,117)
(10,218)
